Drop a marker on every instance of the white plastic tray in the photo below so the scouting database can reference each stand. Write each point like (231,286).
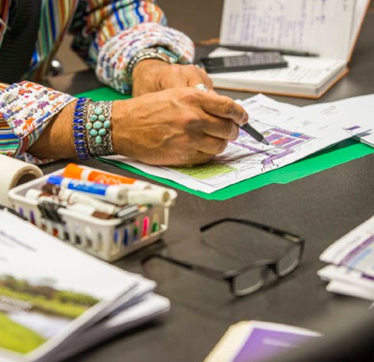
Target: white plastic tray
(107,239)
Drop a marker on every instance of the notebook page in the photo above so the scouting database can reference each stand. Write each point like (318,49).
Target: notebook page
(312,71)
(359,15)
(317,26)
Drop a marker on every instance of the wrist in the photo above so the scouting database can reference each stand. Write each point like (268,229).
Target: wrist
(158,53)
(148,67)
(56,142)
(119,115)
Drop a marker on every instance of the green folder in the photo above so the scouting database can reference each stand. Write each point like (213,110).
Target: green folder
(341,153)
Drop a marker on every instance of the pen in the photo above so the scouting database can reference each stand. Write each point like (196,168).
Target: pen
(254,133)
(247,127)
(281,51)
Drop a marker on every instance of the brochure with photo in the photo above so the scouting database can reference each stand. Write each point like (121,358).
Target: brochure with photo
(50,291)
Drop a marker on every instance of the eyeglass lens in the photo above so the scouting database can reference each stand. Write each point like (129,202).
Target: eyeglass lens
(253,279)
(250,281)
(289,261)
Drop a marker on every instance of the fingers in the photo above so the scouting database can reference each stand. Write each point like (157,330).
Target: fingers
(199,76)
(184,76)
(212,145)
(220,128)
(223,107)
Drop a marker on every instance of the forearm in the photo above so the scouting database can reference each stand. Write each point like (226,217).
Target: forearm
(56,142)
(26,111)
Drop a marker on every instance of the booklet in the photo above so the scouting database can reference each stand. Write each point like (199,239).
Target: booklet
(55,299)
(351,258)
(253,341)
(320,35)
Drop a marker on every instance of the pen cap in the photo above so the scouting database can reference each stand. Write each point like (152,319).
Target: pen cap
(89,174)
(151,197)
(73,171)
(33,194)
(82,209)
(40,196)
(116,194)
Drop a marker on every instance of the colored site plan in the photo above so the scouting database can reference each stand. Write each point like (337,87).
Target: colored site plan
(293,133)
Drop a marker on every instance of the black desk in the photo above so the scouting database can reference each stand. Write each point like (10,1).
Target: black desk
(321,207)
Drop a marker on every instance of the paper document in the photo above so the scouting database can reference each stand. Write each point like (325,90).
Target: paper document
(352,259)
(55,299)
(293,133)
(360,108)
(304,71)
(258,341)
(316,26)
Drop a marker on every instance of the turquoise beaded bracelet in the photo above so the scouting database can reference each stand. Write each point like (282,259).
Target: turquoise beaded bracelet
(98,128)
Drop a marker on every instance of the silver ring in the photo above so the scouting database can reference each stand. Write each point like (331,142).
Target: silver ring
(202,87)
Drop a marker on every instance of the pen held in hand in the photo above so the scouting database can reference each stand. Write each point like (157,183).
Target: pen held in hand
(247,127)
(254,133)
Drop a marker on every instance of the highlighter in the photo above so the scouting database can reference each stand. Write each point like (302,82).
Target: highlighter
(89,174)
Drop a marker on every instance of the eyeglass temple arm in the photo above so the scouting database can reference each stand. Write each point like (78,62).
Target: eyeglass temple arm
(283,234)
(208,272)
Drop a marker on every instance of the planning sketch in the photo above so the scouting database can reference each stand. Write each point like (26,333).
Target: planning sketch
(293,133)
(285,142)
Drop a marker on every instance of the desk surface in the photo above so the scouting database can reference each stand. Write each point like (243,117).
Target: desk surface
(321,208)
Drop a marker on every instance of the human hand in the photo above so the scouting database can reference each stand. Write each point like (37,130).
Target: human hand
(153,75)
(181,126)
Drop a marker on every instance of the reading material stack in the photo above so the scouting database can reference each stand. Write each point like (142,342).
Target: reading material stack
(56,300)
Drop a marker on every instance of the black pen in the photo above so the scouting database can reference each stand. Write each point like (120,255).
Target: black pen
(247,127)
(295,53)
(255,134)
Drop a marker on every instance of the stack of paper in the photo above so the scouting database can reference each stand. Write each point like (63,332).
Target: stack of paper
(352,263)
(360,109)
(56,300)
(293,133)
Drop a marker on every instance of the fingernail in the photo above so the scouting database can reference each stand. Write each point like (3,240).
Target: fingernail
(246,118)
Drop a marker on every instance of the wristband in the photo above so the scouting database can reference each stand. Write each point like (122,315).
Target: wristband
(150,53)
(79,120)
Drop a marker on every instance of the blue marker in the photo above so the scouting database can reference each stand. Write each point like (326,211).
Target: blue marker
(116,194)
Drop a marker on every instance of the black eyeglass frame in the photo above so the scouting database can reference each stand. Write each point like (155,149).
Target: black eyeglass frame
(230,275)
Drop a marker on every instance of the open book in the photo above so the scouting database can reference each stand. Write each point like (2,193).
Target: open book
(55,300)
(326,29)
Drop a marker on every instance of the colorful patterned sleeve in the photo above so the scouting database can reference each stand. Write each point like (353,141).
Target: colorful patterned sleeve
(112,32)
(25,111)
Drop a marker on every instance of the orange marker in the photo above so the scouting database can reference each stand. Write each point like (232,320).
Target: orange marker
(89,174)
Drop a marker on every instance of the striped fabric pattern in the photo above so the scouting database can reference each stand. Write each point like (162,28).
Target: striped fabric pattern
(9,143)
(107,34)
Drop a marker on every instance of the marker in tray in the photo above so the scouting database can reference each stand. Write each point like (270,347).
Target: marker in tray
(116,194)
(82,204)
(49,204)
(89,174)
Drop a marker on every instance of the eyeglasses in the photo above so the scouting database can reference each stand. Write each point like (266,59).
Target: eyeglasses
(248,279)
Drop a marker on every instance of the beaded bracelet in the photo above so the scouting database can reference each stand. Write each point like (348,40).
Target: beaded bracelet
(150,53)
(98,128)
(79,120)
